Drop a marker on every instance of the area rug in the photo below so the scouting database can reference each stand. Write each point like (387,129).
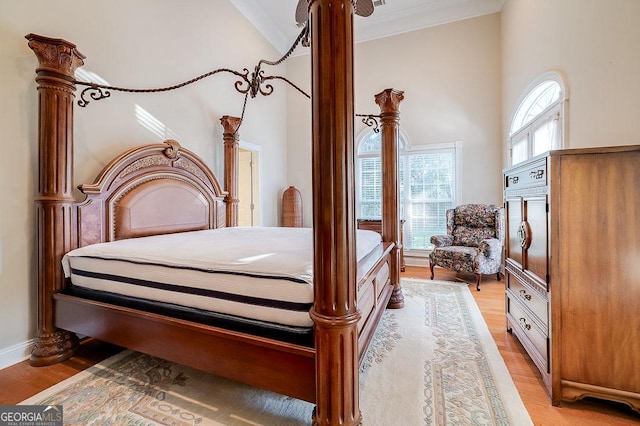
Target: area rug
(433,362)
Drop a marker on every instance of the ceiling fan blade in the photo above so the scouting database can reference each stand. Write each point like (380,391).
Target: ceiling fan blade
(302,12)
(364,7)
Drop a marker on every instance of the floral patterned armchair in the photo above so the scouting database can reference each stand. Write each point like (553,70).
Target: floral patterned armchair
(474,241)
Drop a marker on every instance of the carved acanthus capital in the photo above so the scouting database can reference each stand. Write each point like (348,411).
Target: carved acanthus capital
(56,54)
(389,100)
(230,124)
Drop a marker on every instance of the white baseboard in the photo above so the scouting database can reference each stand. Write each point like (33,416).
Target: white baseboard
(416,260)
(16,353)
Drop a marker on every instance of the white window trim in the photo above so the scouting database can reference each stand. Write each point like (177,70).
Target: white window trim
(559,107)
(455,145)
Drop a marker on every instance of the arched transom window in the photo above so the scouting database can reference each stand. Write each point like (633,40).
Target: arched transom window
(538,122)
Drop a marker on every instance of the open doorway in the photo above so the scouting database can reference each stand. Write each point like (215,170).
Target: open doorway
(248,185)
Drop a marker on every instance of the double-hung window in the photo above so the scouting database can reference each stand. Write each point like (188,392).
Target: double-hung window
(427,186)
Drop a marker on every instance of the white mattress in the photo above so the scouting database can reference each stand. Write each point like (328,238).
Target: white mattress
(262,274)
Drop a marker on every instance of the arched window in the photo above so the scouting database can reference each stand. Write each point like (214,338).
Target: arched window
(427,187)
(538,122)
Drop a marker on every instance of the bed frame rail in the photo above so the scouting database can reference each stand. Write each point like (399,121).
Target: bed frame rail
(270,364)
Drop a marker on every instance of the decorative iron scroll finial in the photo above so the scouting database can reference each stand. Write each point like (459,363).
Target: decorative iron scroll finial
(95,92)
(371,120)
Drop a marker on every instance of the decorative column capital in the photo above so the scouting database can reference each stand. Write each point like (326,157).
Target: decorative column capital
(230,124)
(56,55)
(389,100)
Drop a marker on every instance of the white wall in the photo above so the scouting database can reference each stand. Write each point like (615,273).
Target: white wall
(141,44)
(461,82)
(451,78)
(594,44)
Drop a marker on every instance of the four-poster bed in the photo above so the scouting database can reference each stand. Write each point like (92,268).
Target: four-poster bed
(129,199)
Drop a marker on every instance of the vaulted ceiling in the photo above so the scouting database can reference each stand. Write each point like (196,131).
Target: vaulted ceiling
(275,19)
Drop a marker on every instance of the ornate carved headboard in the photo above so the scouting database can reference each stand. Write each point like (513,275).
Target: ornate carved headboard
(149,190)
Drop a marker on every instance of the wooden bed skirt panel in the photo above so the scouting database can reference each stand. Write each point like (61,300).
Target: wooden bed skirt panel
(381,292)
(269,364)
(373,277)
(373,320)
(366,303)
(370,290)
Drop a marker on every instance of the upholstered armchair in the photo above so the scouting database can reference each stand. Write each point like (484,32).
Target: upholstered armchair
(474,241)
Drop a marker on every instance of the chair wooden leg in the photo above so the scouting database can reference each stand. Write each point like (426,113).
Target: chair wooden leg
(478,278)
(498,276)
(431,265)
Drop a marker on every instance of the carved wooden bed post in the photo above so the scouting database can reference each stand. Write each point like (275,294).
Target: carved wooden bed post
(231,138)
(58,60)
(334,311)
(389,100)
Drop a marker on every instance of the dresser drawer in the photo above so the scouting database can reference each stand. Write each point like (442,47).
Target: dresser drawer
(531,336)
(529,298)
(526,176)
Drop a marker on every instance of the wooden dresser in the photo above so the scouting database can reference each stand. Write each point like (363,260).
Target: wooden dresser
(376,225)
(572,263)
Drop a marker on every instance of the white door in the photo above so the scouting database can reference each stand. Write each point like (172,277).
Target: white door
(248,187)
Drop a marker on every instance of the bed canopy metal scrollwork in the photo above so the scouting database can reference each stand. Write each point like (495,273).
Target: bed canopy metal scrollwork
(251,84)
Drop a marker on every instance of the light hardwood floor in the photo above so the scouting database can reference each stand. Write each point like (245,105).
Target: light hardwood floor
(21,381)
(525,374)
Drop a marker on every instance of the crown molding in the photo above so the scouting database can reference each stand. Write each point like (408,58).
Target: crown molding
(279,36)
(427,15)
(275,19)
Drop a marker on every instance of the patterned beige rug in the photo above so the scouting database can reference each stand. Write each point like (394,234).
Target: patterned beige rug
(432,363)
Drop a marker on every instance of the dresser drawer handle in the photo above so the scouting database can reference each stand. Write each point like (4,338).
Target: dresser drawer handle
(525,295)
(526,326)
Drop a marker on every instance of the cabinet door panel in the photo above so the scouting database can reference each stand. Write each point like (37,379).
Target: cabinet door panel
(536,256)
(513,211)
